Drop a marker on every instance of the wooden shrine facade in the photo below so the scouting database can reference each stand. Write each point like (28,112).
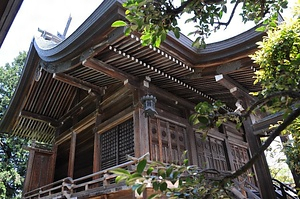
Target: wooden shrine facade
(97,139)
(82,97)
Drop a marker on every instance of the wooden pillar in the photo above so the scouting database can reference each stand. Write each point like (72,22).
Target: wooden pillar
(141,135)
(261,166)
(29,171)
(72,155)
(97,141)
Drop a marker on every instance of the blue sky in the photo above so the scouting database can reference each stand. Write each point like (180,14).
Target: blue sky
(52,15)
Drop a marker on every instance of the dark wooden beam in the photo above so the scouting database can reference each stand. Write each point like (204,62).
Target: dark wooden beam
(78,127)
(72,155)
(237,90)
(84,85)
(261,166)
(134,82)
(41,118)
(124,91)
(109,70)
(83,103)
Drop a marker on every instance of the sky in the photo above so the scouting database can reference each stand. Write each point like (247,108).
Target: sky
(52,16)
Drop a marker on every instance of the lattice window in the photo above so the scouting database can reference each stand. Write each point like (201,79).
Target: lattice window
(211,153)
(116,144)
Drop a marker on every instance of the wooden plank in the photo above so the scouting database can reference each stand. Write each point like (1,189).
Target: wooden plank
(115,120)
(237,90)
(121,93)
(78,127)
(28,179)
(83,103)
(108,70)
(72,155)
(41,118)
(84,85)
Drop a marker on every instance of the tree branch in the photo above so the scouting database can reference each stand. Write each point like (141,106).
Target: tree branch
(231,15)
(266,144)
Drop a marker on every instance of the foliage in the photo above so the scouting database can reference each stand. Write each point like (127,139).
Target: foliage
(13,158)
(155,18)
(278,58)
(174,181)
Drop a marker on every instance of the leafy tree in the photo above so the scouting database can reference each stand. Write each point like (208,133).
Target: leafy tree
(155,18)
(279,76)
(13,157)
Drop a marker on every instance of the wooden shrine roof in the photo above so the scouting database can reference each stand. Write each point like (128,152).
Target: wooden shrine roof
(97,56)
(8,12)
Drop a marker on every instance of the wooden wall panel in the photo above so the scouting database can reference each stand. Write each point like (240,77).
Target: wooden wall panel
(211,153)
(40,172)
(167,141)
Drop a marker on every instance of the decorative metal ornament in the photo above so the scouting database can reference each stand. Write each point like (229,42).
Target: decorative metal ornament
(148,102)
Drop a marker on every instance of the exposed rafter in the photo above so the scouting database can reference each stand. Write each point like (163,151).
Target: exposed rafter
(41,118)
(85,102)
(77,82)
(237,90)
(132,81)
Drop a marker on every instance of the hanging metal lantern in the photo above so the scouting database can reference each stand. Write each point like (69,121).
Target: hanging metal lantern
(149,105)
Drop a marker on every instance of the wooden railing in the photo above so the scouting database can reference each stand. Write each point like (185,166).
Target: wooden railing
(102,181)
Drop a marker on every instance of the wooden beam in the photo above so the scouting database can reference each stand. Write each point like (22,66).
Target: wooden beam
(237,90)
(72,155)
(78,127)
(261,166)
(84,85)
(108,70)
(124,91)
(83,103)
(41,118)
(115,120)
(134,82)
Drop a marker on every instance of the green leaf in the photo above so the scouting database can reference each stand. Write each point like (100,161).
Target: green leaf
(155,195)
(261,29)
(141,166)
(120,171)
(163,186)
(120,178)
(149,170)
(141,189)
(169,171)
(155,185)
(176,32)
(203,120)
(118,23)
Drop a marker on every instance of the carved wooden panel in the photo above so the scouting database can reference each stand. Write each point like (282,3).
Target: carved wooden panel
(116,144)
(240,157)
(167,141)
(211,153)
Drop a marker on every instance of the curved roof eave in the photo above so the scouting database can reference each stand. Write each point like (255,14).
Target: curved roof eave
(25,82)
(99,24)
(239,44)
(94,28)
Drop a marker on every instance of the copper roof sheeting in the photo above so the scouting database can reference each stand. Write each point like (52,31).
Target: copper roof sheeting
(175,67)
